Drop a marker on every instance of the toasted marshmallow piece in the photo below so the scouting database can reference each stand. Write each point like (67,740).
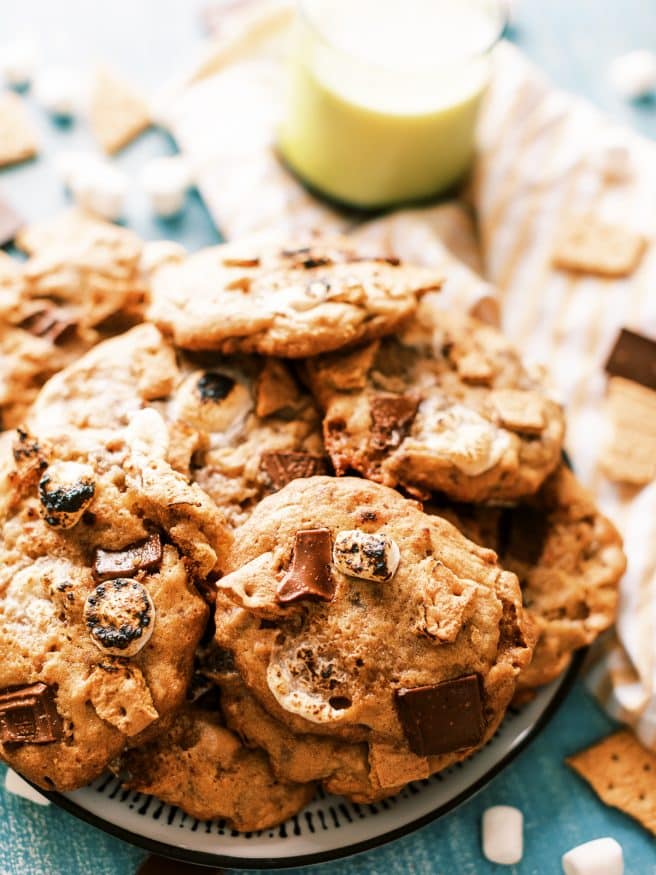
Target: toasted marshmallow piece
(598,857)
(165,182)
(18,61)
(70,162)
(120,616)
(212,401)
(633,75)
(100,189)
(503,836)
(66,490)
(19,787)
(58,91)
(368,556)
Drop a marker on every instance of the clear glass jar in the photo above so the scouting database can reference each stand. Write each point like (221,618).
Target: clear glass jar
(383,95)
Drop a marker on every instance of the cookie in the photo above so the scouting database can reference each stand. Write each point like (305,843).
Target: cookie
(284,299)
(447,405)
(83,282)
(621,772)
(568,558)
(256,429)
(204,769)
(117,113)
(101,546)
(589,246)
(341,767)
(419,662)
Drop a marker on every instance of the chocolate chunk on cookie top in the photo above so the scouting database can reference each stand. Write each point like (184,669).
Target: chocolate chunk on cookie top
(442,718)
(282,468)
(28,715)
(310,576)
(282,299)
(402,603)
(447,405)
(144,556)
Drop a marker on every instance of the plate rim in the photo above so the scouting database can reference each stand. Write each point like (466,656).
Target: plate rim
(211,860)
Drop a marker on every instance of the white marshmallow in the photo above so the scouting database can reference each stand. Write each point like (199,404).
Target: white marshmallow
(598,857)
(18,61)
(633,75)
(19,787)
(100,189)
(70,162)
(613,161)
(503,834)
(165,182)
(58,90)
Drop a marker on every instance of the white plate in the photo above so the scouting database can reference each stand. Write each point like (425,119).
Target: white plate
(329,827)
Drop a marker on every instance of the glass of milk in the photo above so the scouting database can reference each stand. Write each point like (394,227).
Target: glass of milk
(383,96)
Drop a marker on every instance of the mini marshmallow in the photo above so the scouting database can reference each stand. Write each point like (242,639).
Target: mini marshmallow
(503,837)
(633,75)
(100,189)
(613,161)
(19,787)
(165,182)
(70,162)
(18,61)
(598,857)
(58,91)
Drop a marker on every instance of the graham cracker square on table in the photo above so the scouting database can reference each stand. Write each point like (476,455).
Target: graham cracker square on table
(630,456)
(623,774)
(588,245)
(18,140)
(118,113)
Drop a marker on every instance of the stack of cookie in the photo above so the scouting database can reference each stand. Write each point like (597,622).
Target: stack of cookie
(300,526)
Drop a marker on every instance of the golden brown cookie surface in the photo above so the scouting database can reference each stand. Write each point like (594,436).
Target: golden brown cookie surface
(285,299)
(446,406)
(394,661)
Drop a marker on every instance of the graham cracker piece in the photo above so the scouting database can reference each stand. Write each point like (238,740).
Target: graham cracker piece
(631,455)
(18,140)
(118,113)
(623,774)
(588,245)
(519,411)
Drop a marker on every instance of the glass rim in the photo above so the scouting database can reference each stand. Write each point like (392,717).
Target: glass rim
(305,14)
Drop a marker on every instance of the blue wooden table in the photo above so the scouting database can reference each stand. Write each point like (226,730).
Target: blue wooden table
(573,40)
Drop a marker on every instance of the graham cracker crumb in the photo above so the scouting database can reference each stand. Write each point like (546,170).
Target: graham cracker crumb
(588,245)
(623,774)
(630,456)
(18,140)
(118,113)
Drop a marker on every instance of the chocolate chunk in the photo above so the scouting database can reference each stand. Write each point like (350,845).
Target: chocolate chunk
(28,716)
(145,556)
(310,576)
(51,323)
(391,415)
(442,718)
(215,387)
(282,468)
(634,358)
(10,223)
